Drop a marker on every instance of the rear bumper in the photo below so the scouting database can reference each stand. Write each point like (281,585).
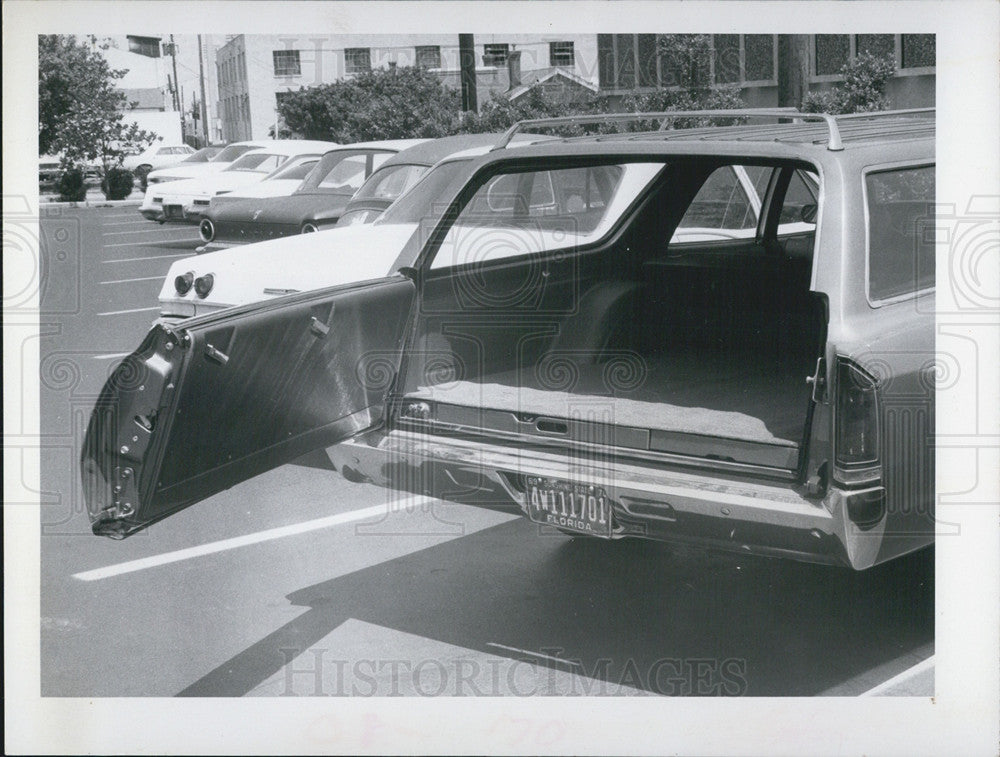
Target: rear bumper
(771,519)
(152,214)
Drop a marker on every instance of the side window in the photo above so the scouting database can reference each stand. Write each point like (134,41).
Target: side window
(526,212)
(800,201)
(900,211)
(722,208)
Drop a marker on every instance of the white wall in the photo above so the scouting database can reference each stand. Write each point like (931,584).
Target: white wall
(165,124)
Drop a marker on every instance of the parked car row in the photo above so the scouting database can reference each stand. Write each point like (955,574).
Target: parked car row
(719,336)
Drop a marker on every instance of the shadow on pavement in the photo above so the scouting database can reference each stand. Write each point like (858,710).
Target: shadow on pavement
(787,629)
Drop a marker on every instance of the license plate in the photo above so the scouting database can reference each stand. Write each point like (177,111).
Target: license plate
(573,507)
(173,211)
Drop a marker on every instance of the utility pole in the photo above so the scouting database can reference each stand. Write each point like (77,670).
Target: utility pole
(173,56)
(467,67)
(793,69)
(204,106)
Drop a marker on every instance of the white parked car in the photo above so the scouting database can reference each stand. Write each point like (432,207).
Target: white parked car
(158,156)
(218,162)
(287,179)
(259,271)
(185,201)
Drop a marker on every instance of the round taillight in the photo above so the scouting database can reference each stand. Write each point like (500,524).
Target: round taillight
(309,228)
(184,282)
(203,284)
(207,230)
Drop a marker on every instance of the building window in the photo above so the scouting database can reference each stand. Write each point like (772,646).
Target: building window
(148,46)
(832,53)
(280,97)
(561,54)
(428,56)
(647,60)
(917,51)
(880,45)
(357,60)
(496,54)
(758,53)
(727,58)
(286,63)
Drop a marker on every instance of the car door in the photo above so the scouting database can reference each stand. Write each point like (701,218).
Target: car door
(215,400)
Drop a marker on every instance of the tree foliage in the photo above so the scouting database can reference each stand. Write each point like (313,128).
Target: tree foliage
(399,103)
(411,102)
(500,112)
(862,90)
(81,114)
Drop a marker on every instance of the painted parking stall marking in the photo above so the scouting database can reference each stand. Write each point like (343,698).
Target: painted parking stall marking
(242,541)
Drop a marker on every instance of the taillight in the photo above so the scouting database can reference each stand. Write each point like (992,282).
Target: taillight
(203,284)
(857,439)
(207,230)
(184,282)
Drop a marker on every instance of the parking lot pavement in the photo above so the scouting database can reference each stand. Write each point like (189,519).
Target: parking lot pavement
(299,582)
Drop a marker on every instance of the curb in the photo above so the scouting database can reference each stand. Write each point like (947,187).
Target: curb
(90,204)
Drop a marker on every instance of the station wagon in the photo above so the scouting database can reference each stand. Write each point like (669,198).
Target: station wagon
(552,342)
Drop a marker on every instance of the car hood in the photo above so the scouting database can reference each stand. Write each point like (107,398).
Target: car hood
(294,209)
(300,263)
(187,171)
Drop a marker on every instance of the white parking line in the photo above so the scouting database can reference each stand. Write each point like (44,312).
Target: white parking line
(129,281)
(149,257)
(907,674)
(110,355)
(147,244)
(134,310)
(533,654)
(242,541)
(156,230)
(133,222)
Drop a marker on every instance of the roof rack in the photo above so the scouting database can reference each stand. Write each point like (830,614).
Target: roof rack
(834,141)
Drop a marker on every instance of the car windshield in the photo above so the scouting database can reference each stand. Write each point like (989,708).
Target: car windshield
(258,162)
(297,170)
(390,182)
(524,212)
(423,202)
(231,153)
(203,155)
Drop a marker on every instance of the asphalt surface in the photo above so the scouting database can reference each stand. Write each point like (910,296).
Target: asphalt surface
(299,582)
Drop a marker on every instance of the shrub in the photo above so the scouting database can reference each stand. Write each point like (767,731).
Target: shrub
(862,90)
(720,98)
(117,183)
(71,186)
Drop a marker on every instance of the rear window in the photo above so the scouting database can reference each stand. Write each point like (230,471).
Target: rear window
(257,162)
(900,212)
(231,153)
(296,171)
(347,175)
(390,182)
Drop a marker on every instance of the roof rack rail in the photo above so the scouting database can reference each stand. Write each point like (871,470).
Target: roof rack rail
(834,141)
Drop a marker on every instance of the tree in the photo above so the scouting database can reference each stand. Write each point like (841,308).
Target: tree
(500,112)
(81,114)
(395,103)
